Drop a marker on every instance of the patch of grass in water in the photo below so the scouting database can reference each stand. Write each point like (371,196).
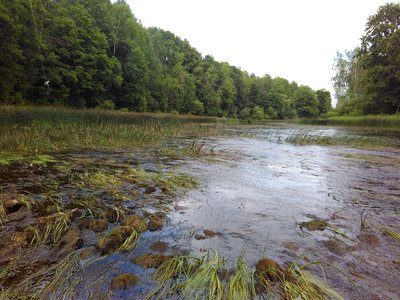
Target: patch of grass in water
(169,182)
(393,234)
(197,278)
(28,130)
(129,243)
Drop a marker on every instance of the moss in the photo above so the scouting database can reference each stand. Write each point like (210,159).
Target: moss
(151,260)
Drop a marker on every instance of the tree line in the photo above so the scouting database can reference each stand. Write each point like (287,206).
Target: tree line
(95,53)
(367,79)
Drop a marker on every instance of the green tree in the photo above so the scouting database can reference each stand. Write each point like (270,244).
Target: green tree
(306,102)
(324,101)
(380,55)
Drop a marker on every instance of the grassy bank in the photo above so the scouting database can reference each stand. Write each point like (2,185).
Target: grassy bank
(32,130)
(380,121)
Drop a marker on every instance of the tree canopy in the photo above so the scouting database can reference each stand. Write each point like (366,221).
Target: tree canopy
(95,53)
(367,79)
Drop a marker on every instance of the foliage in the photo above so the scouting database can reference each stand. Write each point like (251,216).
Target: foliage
(367,79)
(87,54)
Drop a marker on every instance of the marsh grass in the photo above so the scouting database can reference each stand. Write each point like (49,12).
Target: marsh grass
(393,234)
(32,130)
(169,182)
(198,278)
(376,121)
(129,243)
(308,137)
(57,281)
(51,231)
(90,205)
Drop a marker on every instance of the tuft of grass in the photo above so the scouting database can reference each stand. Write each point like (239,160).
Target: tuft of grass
(168,182)
(197,278)
(2,214)
(99,179)
(129,243)
(51,231)
(43,159)
(89,204)
(205,283)
(393,234)
(241,285)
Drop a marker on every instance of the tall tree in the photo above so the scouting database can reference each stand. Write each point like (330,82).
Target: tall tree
(380,55)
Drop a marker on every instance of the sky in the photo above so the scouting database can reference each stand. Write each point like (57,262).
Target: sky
(293,39)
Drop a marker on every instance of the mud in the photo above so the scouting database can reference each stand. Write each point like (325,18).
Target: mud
(251,200)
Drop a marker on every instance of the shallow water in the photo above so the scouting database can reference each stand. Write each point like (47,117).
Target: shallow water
(253,194)
(260,191)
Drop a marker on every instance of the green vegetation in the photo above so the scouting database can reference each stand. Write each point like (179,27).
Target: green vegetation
(87,54)
(200,278)
(29,131)
(391,122)
(366,80)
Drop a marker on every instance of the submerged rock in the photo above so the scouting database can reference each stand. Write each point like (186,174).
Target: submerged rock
(123,282)
(136,222)
(151,260)
(86,252)
(123,231)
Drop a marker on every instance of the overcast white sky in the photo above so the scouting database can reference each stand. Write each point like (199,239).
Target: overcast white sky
(293,39)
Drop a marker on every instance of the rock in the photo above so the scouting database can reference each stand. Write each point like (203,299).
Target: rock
(123,282)
(156,223)
(159,246)
(98,225)
(113,217)
(136,222)
(151,260)
(109,243)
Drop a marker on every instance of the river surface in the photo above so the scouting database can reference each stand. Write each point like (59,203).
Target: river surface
(254,194)
(257,193)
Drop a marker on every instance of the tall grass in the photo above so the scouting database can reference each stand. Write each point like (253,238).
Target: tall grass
(42,129)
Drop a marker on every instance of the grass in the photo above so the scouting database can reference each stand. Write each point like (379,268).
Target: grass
(59,278)
(383,121)
(393,234)
(51,231)
(32,130)
(169,182)
(198,278)
(308,137)
(129,243)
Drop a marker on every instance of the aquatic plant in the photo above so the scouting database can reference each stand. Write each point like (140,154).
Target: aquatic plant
(241,286)
(393,234)
(130,242)
(198,278)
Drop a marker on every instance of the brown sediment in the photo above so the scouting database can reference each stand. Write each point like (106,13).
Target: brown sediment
(156,223)
(98,225)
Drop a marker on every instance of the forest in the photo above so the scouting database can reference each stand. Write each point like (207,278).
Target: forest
(95,53)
